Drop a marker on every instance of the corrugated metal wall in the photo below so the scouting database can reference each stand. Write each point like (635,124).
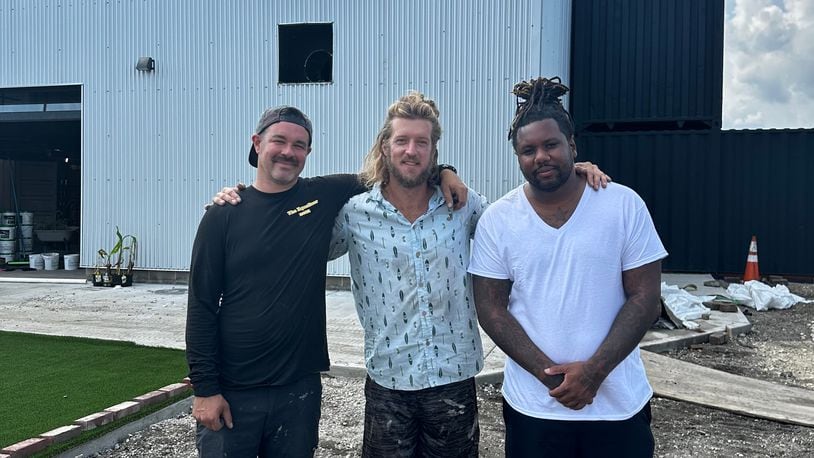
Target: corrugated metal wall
(157,145)
(647,61)
(765,186)
(709,192)
(641,66)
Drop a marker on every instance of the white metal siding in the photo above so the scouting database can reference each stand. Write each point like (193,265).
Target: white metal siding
(157,145)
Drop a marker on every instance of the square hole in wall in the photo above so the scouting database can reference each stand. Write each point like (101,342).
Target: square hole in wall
(306,53)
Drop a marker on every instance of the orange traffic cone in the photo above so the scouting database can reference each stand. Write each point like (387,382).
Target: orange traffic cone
(751,272)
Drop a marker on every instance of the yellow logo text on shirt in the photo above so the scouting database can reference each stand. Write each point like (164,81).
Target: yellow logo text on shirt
(302,210)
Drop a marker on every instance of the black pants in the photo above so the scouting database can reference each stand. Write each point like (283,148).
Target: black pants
(534,437)
(278,421)
(434,422)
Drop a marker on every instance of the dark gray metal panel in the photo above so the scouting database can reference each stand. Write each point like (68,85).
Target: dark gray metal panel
(676,177)
(647,61)
(709,192)
(765,191)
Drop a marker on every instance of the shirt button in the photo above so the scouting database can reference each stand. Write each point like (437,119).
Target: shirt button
(418,254)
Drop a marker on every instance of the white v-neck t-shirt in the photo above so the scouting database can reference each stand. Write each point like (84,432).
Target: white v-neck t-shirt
(567,290)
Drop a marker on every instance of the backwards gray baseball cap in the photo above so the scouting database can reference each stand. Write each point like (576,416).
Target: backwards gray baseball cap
(279,114)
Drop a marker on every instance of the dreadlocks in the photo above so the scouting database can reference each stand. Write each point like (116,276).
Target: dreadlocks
(539,99)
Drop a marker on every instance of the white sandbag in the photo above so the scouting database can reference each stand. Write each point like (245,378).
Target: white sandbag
(682,304)
(761,296)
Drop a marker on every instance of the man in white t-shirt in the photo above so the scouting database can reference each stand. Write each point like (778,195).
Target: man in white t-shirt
(566,282)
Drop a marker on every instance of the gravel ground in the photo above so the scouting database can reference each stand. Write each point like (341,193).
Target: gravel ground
(779,349)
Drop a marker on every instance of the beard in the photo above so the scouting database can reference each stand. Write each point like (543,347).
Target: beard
(407,182)
(552,184)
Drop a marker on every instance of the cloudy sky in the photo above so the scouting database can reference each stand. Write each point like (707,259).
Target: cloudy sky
(768,64)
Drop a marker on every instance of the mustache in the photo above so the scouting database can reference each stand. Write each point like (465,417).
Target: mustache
(288,160)
(544,168)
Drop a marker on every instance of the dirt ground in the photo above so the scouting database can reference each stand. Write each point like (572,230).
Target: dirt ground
(780,349)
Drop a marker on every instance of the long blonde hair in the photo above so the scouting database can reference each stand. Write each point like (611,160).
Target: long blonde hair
(412,105)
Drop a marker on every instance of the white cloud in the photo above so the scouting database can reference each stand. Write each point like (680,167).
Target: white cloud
(768,64)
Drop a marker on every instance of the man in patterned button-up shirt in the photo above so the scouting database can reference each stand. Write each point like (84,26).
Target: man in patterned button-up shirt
(411,289)
(409,253)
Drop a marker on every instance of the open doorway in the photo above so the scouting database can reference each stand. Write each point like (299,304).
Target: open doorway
(40,170)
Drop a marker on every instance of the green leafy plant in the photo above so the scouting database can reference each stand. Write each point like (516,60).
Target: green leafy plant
(123,254)
(104,258)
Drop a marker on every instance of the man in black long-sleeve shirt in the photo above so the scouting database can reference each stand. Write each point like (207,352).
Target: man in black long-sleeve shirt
(267,259)
(256,318)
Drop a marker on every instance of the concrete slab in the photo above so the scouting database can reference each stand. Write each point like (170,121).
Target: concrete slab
(663,340)
(41,275)
(147,314)
(682,280)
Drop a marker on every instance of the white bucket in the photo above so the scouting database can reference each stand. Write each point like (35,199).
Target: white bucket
(51,261)
(8,246)
(26,231)
(35,261)
(8,232)
(26,218)
(8,219)
(71,261)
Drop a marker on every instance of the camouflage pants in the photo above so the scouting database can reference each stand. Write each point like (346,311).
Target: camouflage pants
(435,422)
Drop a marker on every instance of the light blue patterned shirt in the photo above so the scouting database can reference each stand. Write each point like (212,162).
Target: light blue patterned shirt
(411,288)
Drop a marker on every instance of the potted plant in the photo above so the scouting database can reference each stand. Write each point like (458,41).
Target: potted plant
(102,277)
(129,249)
(125,251)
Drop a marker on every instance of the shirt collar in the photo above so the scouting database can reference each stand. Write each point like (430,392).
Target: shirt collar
(376,196)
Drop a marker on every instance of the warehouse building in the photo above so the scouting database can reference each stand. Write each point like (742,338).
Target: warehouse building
(133,113)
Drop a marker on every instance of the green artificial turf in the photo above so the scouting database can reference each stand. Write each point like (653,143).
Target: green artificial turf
(49,381)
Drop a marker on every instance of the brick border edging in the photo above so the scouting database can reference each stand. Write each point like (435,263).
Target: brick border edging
(33,445)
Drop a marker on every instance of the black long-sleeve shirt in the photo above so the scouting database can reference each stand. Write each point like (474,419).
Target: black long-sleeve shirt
(256,310)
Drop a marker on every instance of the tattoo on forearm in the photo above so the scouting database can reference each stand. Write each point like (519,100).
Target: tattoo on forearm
(491,301)
(633,319)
